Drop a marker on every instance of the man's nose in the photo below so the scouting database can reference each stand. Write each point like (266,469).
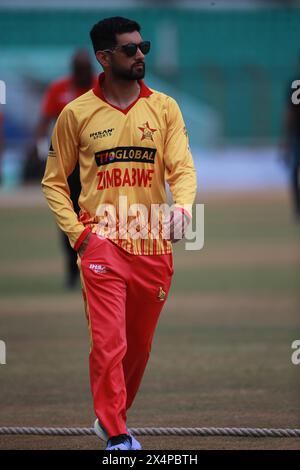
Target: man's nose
(139,54)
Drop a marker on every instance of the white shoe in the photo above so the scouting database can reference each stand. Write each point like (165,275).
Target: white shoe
(102,434)
(121,442)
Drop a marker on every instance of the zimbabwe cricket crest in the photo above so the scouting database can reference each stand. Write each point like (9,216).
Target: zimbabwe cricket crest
(161,294)
(147,131)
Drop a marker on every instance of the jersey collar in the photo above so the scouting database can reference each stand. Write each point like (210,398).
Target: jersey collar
(144,93)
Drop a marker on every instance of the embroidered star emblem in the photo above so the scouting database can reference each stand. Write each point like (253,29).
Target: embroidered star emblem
(147,131)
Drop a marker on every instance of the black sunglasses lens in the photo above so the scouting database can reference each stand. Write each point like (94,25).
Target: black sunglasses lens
(145,47)
(130,49)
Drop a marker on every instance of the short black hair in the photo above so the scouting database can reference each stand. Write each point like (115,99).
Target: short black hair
(103,33)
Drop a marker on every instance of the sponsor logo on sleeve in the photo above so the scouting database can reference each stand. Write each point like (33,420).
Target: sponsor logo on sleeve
(51,151)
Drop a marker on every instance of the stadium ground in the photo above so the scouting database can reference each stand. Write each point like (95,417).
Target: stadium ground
(222,351)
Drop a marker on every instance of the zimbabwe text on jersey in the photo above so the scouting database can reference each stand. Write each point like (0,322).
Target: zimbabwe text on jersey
(124,177)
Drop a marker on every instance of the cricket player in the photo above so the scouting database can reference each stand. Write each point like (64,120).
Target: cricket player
(129,141)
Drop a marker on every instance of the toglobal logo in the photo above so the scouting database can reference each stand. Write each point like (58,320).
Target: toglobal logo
(2,352)
(2,92)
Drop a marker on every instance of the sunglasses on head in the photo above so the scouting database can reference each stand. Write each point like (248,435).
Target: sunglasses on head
(130,49)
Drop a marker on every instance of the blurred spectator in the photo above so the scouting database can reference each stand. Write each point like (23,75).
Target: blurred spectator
(59,93)
(292,149)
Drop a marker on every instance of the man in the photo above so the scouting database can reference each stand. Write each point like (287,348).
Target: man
(128,140)
(60,93)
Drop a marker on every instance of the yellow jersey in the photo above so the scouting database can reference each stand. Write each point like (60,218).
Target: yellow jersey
(128,152)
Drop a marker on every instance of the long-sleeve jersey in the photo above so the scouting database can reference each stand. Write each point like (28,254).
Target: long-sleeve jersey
(122,153)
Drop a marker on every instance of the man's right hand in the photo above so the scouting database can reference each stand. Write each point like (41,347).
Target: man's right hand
(84,245)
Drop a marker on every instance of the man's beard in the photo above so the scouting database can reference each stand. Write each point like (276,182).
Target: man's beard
(133,73)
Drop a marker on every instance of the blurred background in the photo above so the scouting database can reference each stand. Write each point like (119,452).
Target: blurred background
(222,353)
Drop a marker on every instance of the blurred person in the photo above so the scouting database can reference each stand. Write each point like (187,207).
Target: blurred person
(60,93)
(129,140)
(291,150)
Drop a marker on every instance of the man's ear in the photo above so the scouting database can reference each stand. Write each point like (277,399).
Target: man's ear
(103,58)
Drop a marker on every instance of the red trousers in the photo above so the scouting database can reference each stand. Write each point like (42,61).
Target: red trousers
(124,295)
